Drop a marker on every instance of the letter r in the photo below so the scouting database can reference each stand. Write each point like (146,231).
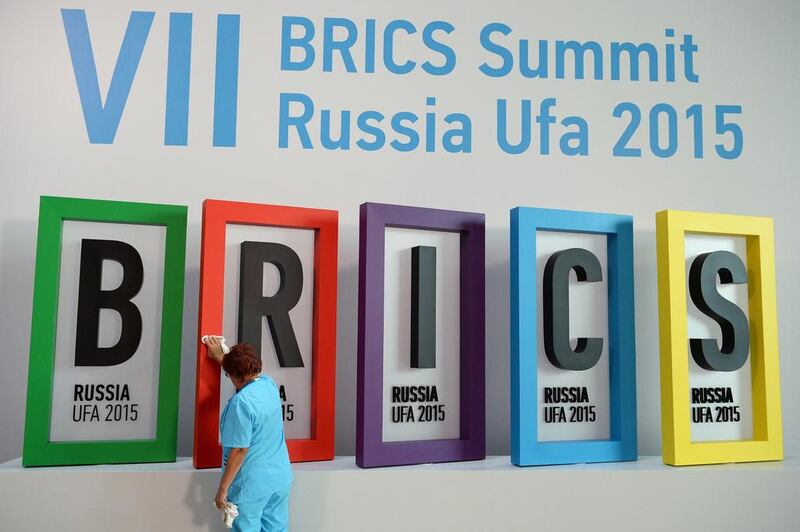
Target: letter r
(253,306)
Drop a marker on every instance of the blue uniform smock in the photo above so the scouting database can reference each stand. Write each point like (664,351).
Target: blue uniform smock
(253,419)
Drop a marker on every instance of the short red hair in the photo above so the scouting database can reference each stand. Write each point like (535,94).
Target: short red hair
(241,361)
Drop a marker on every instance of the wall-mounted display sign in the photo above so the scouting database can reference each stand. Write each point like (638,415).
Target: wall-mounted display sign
(420,336)
(720,383)
(268,278)
(573,376)
(106,333)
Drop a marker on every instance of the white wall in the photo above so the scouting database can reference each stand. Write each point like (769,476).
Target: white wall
(490,494)
(747,57)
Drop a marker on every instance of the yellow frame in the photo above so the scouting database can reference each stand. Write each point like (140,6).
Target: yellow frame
(767,442)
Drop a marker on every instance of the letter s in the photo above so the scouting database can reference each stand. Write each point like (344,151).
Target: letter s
(731,319)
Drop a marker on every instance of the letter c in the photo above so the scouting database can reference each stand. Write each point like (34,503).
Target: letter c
(556,309)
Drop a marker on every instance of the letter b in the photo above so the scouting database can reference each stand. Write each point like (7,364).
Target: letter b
(92,298)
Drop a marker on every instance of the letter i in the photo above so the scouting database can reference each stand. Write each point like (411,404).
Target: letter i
(430,127)
(176,118)
(226,80)
(369,47)
(670,62)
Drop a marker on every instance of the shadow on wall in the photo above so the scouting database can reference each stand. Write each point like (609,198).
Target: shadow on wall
(188,360)
(200,501)
(18,244)
(347,341)
(498,343)
(648,384)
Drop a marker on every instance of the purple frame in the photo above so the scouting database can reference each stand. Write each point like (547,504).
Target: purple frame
(371,450)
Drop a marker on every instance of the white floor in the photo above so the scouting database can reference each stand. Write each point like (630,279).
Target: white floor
(489,495)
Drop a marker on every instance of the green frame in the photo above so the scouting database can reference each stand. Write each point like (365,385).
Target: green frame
(38,450)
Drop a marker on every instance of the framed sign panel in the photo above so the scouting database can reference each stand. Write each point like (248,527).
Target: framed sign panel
(268,278)
(106,333)
(573,372)
(420,336)
(718,330)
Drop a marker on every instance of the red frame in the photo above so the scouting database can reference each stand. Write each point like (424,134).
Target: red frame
(216,215)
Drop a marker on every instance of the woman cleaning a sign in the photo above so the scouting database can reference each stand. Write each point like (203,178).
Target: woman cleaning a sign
(257,475)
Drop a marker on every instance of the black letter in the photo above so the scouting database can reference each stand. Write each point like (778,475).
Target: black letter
(731,319)
(556,309)
(423,307)
(92,298)
(253,305)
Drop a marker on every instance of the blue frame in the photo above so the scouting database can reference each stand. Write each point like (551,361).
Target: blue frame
(526,449)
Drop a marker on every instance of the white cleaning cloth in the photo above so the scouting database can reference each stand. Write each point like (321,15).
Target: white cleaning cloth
(225,348)
(229,513)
